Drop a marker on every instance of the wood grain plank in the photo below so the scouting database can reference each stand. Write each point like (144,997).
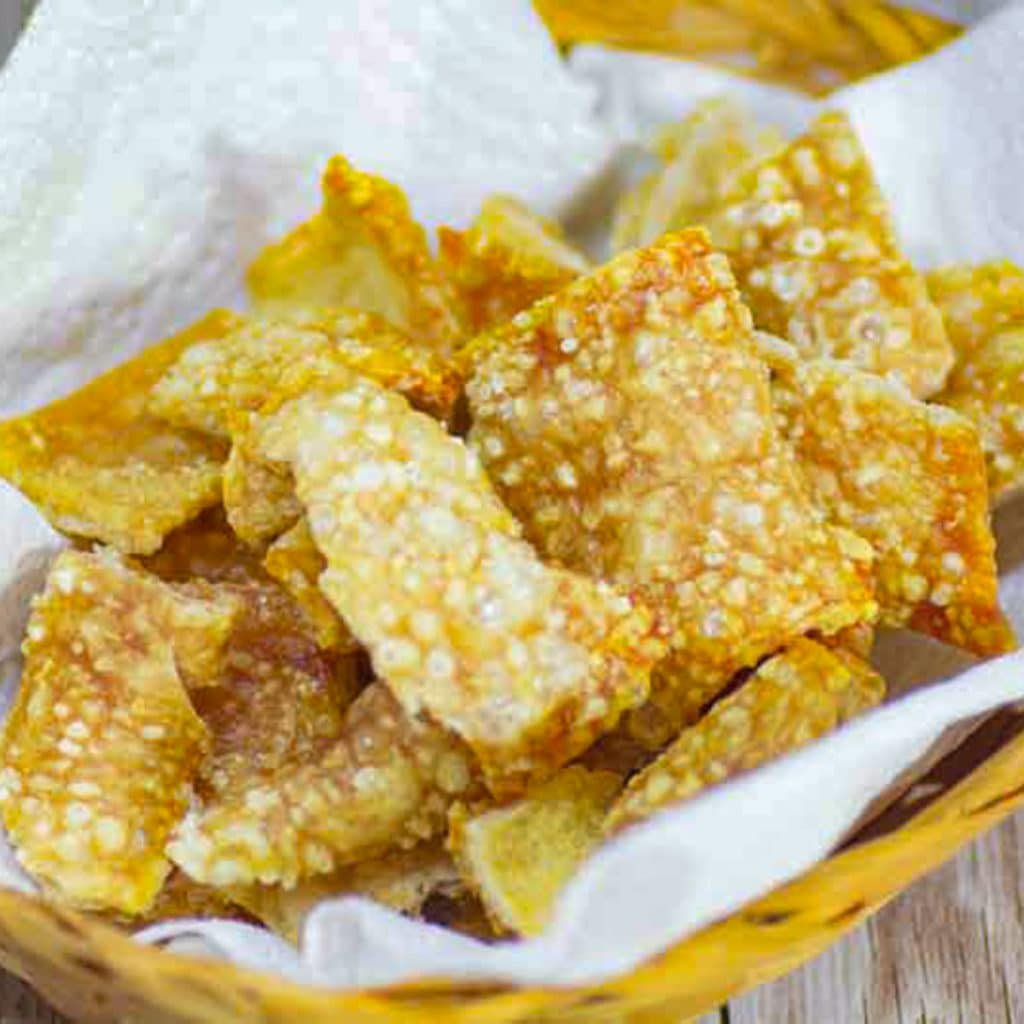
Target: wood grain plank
(948,949)
(20,1005)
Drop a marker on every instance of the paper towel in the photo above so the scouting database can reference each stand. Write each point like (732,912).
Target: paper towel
(152,157)
(944,133)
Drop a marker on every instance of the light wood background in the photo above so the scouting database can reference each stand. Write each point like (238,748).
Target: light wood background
(951,949)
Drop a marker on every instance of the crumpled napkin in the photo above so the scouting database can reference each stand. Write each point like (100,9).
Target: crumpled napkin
(150,149)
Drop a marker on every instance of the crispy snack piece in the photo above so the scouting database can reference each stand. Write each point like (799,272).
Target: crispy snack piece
(101,747)
(279,700)
(693,498)
(809,237)
(295,562)
(909,478)
(987,386)
(402,879)
(858,639)
(259,495)
(364,250)
(528,664)
(978,301)
(794,697)
(97,465)
(181,897)
(205,549)
(983,309)
(507,260)
(387,781)
(701,158)
(239,371)
(518,858)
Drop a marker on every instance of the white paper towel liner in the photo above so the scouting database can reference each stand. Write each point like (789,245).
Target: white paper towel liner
(690,865)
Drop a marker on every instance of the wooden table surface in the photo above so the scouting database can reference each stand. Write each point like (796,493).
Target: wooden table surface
(949,949)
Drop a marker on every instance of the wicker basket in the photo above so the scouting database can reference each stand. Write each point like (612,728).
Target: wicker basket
(93,972)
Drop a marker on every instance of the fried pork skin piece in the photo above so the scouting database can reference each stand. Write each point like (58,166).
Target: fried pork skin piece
(527,663)
(506,260)
(402,880)
(204,549)
(809,237)
(98,465)
(259,496)
(908,477)
(978,301)
(295,562)
(983,308)
(279,700)
(388,781)
(102,745)
(793,698)
(239,371)
(987,387)
(518,858)
(362,250)
(701,158)
(693,498)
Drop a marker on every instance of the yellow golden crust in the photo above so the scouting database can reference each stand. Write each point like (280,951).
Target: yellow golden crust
(278,699)
(296,563)
(977,301)
(259,496)
(983,308)
(701,158)
(401,879)
(987,386)
(692,498)
(518,858)
(97,465)
(205,548)
(794,697)
(809,237)
(238,372)
(387,781)
(528,664)
(909,478)
(101,747)
(505,261)
(362,250)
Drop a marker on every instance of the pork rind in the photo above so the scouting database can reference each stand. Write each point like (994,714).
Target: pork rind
(528,664)
(239,371)
(518,858)
(977,301)
(97,465)
(259,496)
(809,237)
(983,308)
(987,387)
(101,747)
(363,250)
(205,549)
(506,260)
(909,478)
(295,562)
(701,158)
(793,698)
(388,781)
(182,897)
(628,424)
(402,879)
(279,699)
